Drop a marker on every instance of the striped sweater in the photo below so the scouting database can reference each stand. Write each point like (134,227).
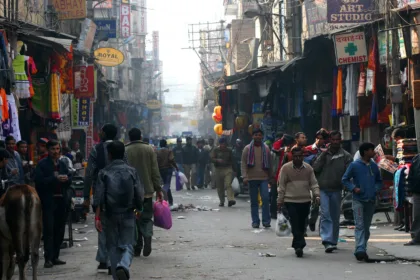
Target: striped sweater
(295,184)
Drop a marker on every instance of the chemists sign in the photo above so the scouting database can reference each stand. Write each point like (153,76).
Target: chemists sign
(350,48)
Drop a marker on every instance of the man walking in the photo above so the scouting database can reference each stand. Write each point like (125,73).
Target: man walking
(177,151)
(96,162)
(414,189)
(210,169)
(118,193)
(364,180)
(14,165)
(190,157)
(203,158)
(296,182)
(256,171)
(52,179)
(166,164)
(143,158)
(222,159)
(301,141)
(329,169)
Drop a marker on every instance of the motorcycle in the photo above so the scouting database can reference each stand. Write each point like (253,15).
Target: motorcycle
(79,211)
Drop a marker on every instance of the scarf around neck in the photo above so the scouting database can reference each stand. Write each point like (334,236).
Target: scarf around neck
(264,154)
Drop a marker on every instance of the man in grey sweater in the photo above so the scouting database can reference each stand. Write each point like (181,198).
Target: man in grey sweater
(329,168)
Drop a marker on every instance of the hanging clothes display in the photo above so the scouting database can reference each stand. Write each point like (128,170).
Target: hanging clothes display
(352,83)
(334,95)
(11,126)
(339,91)
(31,70)
(55,96)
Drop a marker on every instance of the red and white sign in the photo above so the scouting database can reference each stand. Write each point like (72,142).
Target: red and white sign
(350,48)
(143,18)
(84,81)
(125,21)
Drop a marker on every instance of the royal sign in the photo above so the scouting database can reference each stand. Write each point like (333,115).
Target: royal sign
(108,57)
(125,21)
(350,48)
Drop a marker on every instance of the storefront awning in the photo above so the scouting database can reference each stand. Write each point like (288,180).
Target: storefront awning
(354,27)
(51,42)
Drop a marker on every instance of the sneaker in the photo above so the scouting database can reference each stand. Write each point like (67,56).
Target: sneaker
(334,247)
(329,248)
(361,256)
(299,253)
(267,225)
(147,250)
(48,264)
(312,227)
(137,252)
(103,266)
(121,274)
(221,204)
(255,226)
(59,262)
(231,203)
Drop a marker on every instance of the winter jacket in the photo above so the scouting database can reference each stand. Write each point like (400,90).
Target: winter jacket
(190,154)
(119,189)
(329,169)
(366,177)
(143,158)
(203,157)
(413,178)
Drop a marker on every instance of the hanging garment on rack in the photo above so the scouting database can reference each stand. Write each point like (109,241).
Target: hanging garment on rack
(350,105)
(14,129)
(31,70)
(55,96)
(4,105)
(21,79)
(339,91)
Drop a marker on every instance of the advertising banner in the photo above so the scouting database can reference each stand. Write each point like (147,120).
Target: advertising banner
(108,27)
(143,18)
(84,81)
(348,12)
(70,9)
(350,48)
(125,21)
(316,17)
(84,111)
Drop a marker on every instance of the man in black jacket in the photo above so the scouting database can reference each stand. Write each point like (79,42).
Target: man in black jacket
(413,187)
(52,181)
(203,158)
(190,158)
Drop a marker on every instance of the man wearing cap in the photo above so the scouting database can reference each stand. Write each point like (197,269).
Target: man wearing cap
(256,171)
(222,158)
(190,158)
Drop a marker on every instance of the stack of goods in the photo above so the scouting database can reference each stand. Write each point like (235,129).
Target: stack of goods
(407,149)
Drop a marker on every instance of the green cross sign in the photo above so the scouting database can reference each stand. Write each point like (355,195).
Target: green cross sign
(351,49)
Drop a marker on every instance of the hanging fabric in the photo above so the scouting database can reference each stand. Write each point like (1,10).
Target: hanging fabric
(362,81)
(339,91)
(55,96)
(31,70)
(334,94)
(350,105)
(4,105)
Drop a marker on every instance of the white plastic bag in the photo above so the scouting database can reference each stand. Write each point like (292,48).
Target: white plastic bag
(183,178)
(283,227)
(235,185)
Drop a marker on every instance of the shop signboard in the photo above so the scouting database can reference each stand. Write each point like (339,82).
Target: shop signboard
(125,20)
(343,13)
(84,81)
(316,17)
(89,131)
(84,112)
(108,57)
(107,27)
(74,112)
(143,18)
(350,48)
(70,9)
(153,104)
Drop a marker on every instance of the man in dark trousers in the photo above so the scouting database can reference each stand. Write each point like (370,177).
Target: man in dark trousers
(96,162)
(190,157)
(203,158)
(177,151)
(52,180)
(118,193)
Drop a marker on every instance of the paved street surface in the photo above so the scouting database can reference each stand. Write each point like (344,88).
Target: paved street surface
(222,245)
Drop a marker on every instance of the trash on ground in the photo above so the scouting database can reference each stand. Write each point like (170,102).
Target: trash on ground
(380,255)
(205,197)
(373,227)
(257,230)
(342,240)
(231,246)
(382,262)
(351,227)
(266,255)
(348,271)
(80,240)
(181,217)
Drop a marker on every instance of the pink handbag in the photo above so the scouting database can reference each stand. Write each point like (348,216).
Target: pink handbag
(162,214)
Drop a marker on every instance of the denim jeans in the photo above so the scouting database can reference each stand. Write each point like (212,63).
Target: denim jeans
(166,175)
(262,187)
(102,253)
(363,212)
(330,217)
(201,170)
(180,167)
(120,237)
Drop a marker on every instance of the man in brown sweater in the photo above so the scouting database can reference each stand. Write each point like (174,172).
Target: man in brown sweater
(256,170)
(295,183)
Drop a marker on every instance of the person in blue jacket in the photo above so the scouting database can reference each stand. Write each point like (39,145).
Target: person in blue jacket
(364,180)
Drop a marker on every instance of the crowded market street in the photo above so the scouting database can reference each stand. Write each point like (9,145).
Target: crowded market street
(220,244)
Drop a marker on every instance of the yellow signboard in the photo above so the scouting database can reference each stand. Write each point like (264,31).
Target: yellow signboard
(70,9)
(153,104)
(109,57)
(193,123)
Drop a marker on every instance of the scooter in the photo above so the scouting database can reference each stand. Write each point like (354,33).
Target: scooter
(79,212)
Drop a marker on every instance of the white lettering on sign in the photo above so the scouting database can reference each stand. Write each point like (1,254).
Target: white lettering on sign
(125,21)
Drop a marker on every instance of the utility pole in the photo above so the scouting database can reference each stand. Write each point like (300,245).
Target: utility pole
(393,62)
